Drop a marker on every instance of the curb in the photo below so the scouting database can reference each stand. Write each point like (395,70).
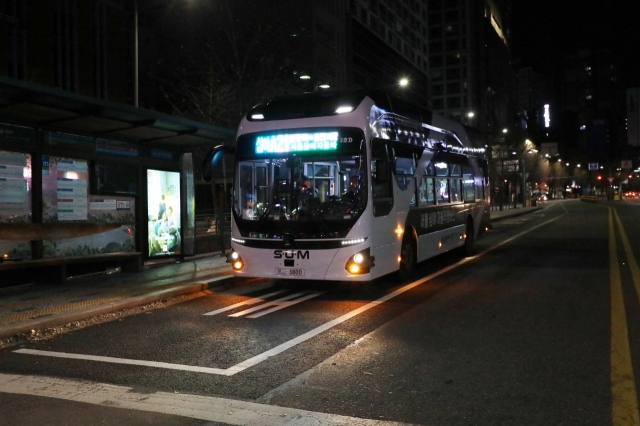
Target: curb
(10,330)
(520,213)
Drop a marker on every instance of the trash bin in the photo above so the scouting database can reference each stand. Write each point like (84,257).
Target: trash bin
(534,202)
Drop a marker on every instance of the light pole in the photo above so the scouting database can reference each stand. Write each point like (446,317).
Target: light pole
(135,53)
(528,149)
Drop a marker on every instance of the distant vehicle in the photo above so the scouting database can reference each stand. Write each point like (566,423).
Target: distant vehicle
(352,186)
(543,197)
(631,194)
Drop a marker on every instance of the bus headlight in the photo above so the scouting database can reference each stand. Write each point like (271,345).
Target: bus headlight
(360,263)
(235,260)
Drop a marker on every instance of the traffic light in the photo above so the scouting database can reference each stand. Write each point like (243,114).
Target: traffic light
(599,177)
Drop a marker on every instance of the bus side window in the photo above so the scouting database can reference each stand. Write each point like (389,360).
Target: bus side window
(442,190)
(426,191)
(468,189)
(381,176)
(404,172)
(455,190)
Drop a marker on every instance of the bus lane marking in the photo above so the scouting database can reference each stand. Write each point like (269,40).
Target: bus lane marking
(235,369)
(244,303)
(278,304)
(624,403)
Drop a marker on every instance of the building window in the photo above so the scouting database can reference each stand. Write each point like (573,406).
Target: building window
(435,32)
(451,16)
(437,61)
(453,73)
(100,51)
(65,45)
(453,102)
(435,5)
(453,44)
(453,88)
(14,22)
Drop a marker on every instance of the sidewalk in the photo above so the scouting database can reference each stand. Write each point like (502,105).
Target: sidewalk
(37,307)
(512,212)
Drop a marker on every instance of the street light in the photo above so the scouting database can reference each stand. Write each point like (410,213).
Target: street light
(135,53)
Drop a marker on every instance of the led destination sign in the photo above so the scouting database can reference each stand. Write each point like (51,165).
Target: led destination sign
(297,142)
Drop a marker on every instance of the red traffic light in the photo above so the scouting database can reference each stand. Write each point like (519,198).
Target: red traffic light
(599,177)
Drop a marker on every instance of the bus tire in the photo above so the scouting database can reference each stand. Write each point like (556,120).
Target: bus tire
(467,248)
(407,258)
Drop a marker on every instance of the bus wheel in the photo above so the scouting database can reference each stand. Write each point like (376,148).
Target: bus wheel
(467,248)
(407,258)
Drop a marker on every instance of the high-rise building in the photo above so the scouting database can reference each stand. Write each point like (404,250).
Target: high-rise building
(388,42)
(534,102)
(82,47)
(591,91)
(633,116)
(469,61)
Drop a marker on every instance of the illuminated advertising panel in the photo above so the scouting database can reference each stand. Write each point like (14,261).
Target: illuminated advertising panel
(163,213)
(547,116)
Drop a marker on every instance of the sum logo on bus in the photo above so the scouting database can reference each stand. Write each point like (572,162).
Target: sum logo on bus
(290,254)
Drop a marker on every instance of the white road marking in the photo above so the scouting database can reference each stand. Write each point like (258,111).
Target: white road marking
(165,365)
(246,302)
(278,304)
(212,409)
(295,341)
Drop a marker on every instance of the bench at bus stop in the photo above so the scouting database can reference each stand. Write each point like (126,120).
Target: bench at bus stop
(58,270)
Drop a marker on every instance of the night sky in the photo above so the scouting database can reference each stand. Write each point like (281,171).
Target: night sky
(543,31)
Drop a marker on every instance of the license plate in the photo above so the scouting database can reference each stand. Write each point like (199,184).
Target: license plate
(290,272)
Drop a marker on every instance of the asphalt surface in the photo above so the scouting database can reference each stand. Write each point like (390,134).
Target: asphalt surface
(528,331)
(26,309)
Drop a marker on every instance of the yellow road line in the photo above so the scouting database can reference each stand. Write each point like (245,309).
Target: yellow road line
(633,265)
(624,409)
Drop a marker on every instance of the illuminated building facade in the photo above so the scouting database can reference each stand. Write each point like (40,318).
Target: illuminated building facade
(388,41)
(469,61)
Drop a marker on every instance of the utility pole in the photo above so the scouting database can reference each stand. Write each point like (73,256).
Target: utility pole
(135,53)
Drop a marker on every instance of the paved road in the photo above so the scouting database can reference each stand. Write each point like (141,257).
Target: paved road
(540,327)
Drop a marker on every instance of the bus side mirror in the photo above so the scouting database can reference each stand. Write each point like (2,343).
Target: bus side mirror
(382,171)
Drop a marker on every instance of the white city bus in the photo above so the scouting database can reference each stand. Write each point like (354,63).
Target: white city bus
(351,186)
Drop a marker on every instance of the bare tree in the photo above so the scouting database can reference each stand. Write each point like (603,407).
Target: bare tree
(232,55)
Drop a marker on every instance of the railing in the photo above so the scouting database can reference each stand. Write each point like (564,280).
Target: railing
(208,238)
(207,224)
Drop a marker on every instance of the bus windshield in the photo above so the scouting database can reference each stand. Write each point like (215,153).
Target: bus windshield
(300,185)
